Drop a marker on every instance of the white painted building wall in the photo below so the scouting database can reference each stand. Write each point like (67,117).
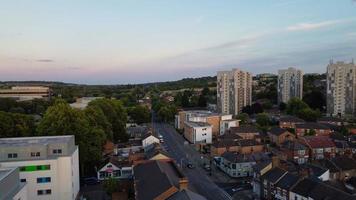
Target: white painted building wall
(203,134)
(225,125)
(64,174)
(150,140)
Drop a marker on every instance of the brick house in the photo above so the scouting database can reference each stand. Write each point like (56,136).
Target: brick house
(245,132)
(319,129)
(289,121)
(279,135)
(295,151)
(320,147)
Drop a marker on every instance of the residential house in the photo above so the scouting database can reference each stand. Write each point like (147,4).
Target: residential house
(295,151)
(309,188)
(313,128)
(225,125)
(236,165)
(279,135)
(314,171)
(116,169)
(158,180)
(331,120)
(341,167)
(157,153)
(198,132)
(269,182)
(148,141)
(283,186)
(234,143)
(259,170)
(320,147)
(248,146)
(221,146)
(289,122)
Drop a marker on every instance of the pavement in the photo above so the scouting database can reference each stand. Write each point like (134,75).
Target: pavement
(199,180)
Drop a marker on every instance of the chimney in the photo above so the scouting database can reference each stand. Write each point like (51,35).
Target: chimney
(275,161)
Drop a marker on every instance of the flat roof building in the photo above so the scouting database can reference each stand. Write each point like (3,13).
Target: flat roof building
(49,165)
(24,93)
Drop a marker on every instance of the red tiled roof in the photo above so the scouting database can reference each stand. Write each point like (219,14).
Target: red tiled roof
(319,141)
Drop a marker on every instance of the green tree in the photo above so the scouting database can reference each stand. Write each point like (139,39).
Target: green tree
(243,117)
(97,119)
(16,125)
(295,105)
(140,114)
(309,114)
(111,185)
(262,120)
(115,114)
(61,119)
(202,102)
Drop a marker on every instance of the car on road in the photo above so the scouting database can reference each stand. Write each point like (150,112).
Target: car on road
(207,167)
(237,189)
(190,165)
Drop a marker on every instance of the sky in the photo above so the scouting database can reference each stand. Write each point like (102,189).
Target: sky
(133,41)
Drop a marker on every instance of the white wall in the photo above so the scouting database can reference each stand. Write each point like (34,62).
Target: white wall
(149,141)
(64,175)
(203,133)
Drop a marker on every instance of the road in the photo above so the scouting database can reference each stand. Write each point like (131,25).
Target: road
(181,153)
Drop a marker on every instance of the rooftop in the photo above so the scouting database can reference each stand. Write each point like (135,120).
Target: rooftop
(319,141)
(287,181)
(162,177)
(274,174)
(277,131)
(312,125)
(290,119)
(244,129)
(30,141)
(197,124)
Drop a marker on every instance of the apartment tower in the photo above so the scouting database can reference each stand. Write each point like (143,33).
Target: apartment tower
(234,91)
(341,88)
(290,84)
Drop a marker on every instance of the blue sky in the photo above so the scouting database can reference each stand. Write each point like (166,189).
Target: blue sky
(131,41)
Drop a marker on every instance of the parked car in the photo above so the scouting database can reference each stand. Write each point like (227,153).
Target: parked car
(207,167)
(190,165)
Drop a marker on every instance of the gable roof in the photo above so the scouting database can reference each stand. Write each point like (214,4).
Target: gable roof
(319,141)
(288,118)
(287,181)
(223,143)
(330,119)
(162,176)
(312,125)
(229,136)
(248,142)
(293,145)
(152,152)
(186,195)
(148,135)
(304,187)
(277,131)
(235,157)
(244,129)
(344,162)
(274,174)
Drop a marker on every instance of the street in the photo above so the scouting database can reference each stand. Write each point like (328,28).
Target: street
(182,154)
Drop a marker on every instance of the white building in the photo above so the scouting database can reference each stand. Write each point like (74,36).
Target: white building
(148,141)
(115,169)
(227,122)
(235,164)
(341,89)
(198,132)
(49,165)
(26,93)
(10,186)
(234,91)
(290,84)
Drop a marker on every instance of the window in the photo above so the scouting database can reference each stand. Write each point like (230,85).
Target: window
(23,180)
(32,168)
(44,180)
(35,154)
(57,151)
(12,155)
(44,192)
